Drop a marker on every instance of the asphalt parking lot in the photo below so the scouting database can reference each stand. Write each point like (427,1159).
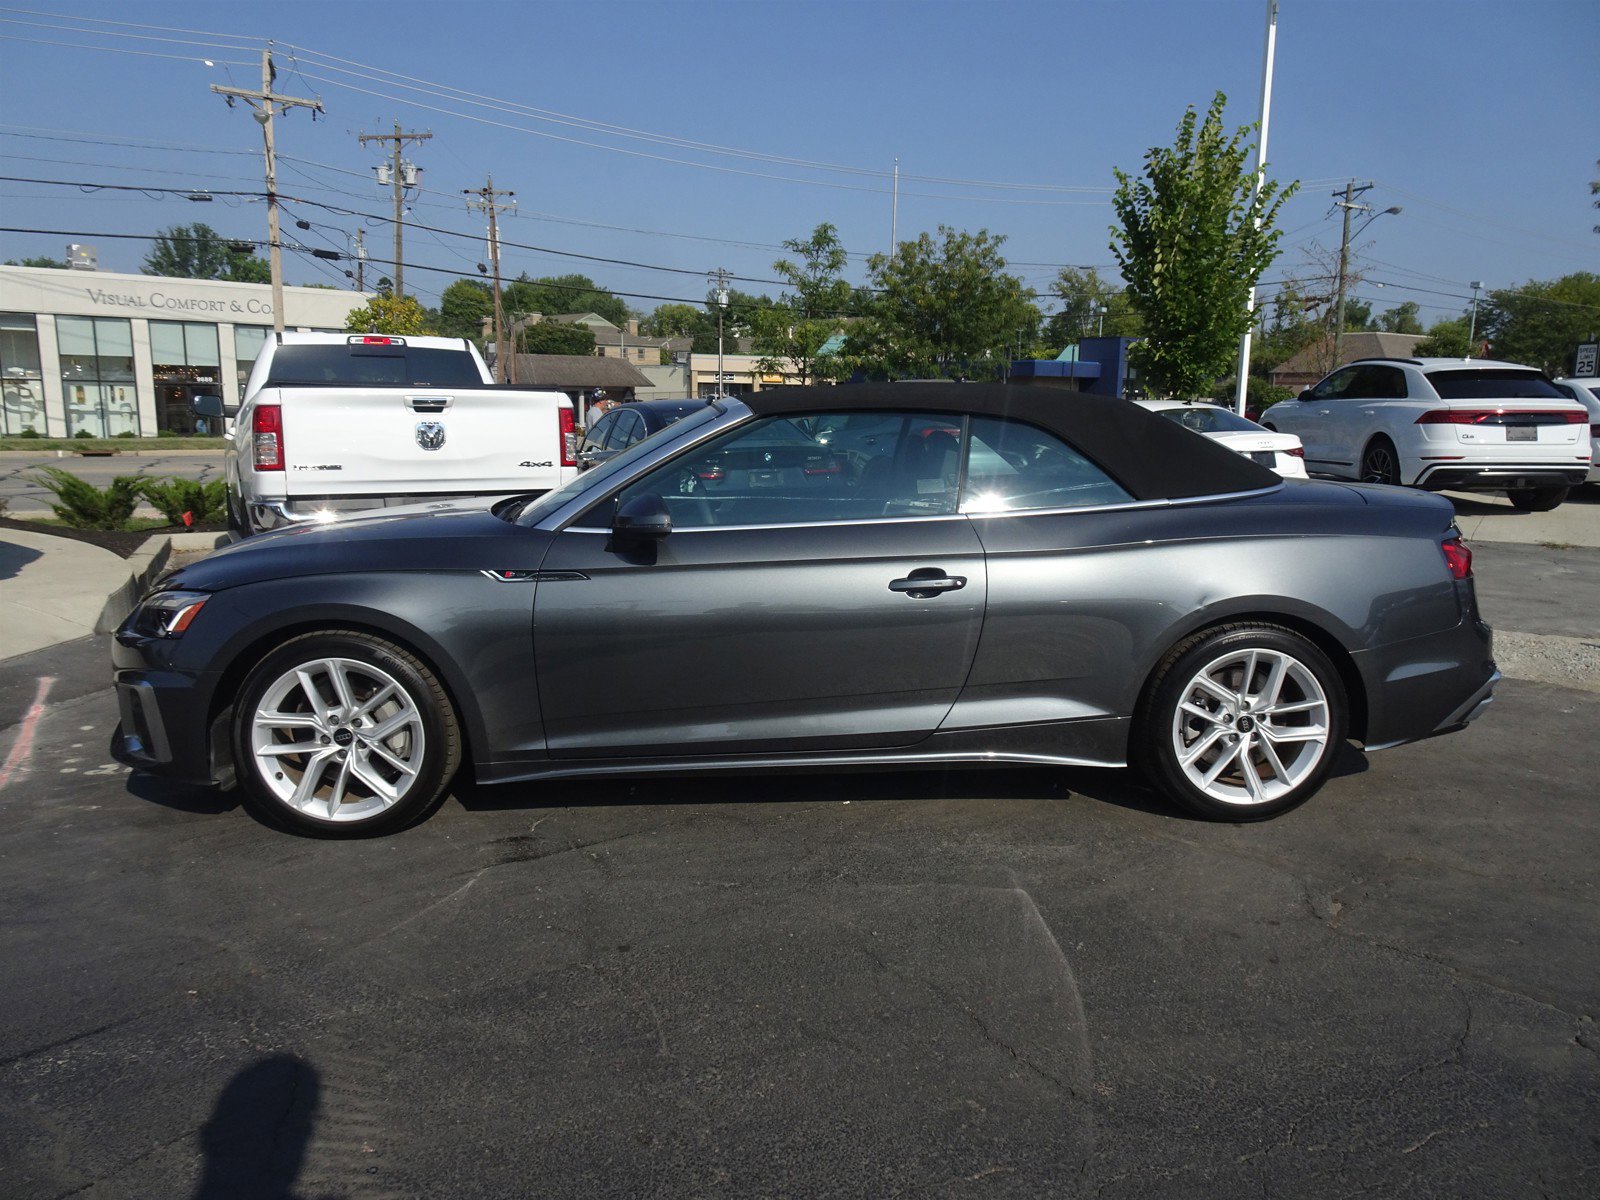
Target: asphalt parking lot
(979,983)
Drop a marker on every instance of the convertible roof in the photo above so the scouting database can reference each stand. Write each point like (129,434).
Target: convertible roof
(1153,458)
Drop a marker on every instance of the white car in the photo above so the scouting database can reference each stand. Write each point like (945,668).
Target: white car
(1280,451)
(1457,424)
(1587,393)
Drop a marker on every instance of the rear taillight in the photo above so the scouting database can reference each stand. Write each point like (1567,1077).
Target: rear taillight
(1457,557)
(711,474)
(1296,451)
(569,439)
(266,437)
(1495,416)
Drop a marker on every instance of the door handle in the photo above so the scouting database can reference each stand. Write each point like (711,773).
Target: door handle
(926,582)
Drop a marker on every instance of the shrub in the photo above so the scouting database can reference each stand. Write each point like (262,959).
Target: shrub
(172,497)
(126,433)
(28,431)
(165,433)
(84,506)
(83,433)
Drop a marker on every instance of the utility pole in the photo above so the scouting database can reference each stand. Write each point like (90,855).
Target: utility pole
(894,210)
(403,175)
(264,102)
(720,278)
(1348,203)
(486,202)
(1242,394)
(1472,331)
(361,260)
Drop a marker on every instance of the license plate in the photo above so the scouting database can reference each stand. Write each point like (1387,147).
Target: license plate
(1522,433)
(765,478)
(1266,458)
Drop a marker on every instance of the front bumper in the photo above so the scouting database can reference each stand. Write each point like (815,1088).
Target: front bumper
(166,726)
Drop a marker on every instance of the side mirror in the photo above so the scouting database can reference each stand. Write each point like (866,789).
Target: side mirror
(642,518)
(1305,396)
(210,406)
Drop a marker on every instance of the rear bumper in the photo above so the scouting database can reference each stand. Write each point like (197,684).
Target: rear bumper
(1426,686)
(1495,477)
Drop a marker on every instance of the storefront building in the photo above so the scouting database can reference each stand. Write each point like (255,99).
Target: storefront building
(123,355)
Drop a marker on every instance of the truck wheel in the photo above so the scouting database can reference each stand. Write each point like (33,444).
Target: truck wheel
(344,734)
(1241,722)
(1537,499)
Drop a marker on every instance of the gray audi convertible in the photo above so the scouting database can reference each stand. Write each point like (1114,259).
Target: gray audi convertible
(846,577)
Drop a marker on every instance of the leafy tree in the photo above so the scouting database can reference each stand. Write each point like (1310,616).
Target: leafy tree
(553,337)
(462,307)
(1357,315)
(673,320)
(1446,339)
(1090,306)
(795,328)
(1402,318)
(1193,239)
(401,316)
(199,252)
(557,294)
(56,264)
(1542,322)
(941,306)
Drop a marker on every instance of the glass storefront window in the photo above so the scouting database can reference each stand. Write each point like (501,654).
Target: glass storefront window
(97,375)
(186,364)
(21,382)
(247,343)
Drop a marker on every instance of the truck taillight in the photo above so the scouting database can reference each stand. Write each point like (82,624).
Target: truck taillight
(266,437)
(569,439)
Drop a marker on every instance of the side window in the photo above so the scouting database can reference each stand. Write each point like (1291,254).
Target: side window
(1013,467)
(1336,386)
(800,470)
(595,436)
(1389,383)
(623,430)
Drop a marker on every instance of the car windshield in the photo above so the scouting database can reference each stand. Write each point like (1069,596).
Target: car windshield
(1489,383)
(536,510)
(1207,418)
(349,365)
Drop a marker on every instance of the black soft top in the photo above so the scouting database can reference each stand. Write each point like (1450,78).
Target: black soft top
(1151,457)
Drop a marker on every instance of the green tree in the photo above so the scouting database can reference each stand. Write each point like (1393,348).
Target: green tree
(1194,237)
(1541,322)
(941,306)
(558,294)
(1090,306)
(554,337)
(199,252)
(795,328)
(1446,339)
(1357,315)
(400,316)
(55,264)
(462,307)
(1402,318)
(673,320)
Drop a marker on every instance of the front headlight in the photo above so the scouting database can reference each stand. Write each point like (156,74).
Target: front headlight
(168,614)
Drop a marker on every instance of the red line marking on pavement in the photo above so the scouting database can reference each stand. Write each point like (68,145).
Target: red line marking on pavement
(16,764)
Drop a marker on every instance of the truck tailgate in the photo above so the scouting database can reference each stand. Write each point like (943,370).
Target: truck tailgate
(343,441)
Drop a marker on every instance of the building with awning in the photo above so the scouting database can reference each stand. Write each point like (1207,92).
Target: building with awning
(586,378)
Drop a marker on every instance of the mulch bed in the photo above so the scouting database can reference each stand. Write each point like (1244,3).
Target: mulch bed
(119,541)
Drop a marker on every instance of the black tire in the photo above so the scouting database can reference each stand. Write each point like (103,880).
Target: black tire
(1160,726)
(1537,499)
(235,525)
(345,796)
(1380,462)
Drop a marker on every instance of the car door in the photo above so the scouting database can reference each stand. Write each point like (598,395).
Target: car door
(1315,419)
(800,602)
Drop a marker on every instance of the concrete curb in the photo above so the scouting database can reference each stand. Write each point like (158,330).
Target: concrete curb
(144,565)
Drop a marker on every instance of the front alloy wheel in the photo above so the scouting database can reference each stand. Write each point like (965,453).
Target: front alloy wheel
(1244,722)
(344,734)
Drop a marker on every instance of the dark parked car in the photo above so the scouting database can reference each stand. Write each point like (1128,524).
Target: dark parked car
(613,432)
(991,575)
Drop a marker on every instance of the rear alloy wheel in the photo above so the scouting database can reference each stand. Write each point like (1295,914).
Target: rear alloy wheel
(344,734)
(1537,499)
(1243,722)
(1380,463)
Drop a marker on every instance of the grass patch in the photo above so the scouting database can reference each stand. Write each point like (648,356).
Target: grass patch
(54,444)
(1559,545)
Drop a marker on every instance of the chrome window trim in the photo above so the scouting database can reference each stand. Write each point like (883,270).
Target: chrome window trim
(983,516)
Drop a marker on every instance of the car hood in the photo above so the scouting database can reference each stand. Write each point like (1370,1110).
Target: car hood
(425,538)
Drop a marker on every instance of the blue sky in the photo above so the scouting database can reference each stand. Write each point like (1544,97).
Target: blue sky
(1482,120)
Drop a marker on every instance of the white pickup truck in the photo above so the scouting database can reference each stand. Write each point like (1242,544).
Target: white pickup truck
(336,424)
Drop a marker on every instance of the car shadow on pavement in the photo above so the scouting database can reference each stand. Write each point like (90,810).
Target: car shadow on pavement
(184,797)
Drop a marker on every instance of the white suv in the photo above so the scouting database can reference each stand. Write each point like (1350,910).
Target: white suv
(1469,425)
(1587,393)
